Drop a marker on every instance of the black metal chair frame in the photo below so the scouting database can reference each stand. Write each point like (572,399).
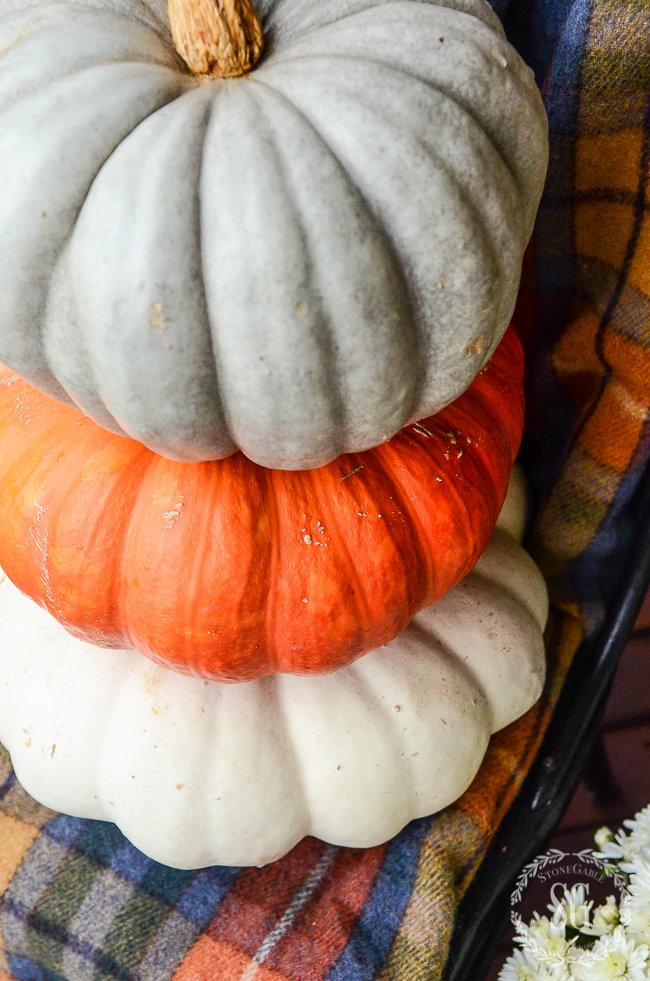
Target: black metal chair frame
(483,913)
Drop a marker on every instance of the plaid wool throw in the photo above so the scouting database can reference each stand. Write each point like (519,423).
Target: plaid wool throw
(79,902)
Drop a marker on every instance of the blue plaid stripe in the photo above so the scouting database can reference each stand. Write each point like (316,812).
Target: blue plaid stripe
(374,931)
(91,906)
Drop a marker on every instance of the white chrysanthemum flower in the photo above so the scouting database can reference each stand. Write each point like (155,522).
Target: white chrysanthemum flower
(523,966)
(635,907)
(639,827)
(603,836)
(545,940)
(572,909)
(635,917)
(612,958)
(541,927)
(619,849)
(639,886)
(625,848)
(606,918)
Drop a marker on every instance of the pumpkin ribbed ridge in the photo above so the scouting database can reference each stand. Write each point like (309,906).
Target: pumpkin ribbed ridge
(296,263)
(232,571)
(198,773)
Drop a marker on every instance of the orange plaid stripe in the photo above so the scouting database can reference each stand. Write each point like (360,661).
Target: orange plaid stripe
(602,358)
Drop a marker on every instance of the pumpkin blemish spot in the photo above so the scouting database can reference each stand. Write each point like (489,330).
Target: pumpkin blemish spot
(352,472)
(305,601)
(398,708)
(53,748)
(308,540)
(156,318)
(439,479)
(476,345)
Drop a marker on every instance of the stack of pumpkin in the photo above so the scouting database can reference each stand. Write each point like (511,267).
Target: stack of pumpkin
(259,413)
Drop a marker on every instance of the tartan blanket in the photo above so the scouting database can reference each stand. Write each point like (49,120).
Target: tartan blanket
(77,901)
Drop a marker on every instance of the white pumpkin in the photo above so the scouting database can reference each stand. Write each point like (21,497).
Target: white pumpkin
(197,773)
(297,262)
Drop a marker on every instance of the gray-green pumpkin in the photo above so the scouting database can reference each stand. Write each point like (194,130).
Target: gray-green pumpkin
(295,263)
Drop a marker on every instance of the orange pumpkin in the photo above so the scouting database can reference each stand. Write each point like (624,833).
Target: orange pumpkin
(233,571)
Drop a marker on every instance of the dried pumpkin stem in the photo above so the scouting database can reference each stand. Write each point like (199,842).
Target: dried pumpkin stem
(218,38)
